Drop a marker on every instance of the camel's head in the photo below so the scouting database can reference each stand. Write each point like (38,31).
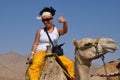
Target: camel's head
(90,47)
(115,63)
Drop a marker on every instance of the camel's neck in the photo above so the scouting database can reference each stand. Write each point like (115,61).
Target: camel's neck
(82,69)
(81,61)
(81,72)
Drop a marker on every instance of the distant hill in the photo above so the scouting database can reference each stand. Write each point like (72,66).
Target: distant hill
(12,66)
(94,68)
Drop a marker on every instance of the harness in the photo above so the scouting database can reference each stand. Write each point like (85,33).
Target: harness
(90,45)
(85,47)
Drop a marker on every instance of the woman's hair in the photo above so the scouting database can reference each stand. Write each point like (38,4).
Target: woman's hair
(48,9)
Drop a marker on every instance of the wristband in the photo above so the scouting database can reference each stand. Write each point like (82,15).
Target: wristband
(32,52)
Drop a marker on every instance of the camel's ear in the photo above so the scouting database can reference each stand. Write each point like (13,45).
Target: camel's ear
(75,42)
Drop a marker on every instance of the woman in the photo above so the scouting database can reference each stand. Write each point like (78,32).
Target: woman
(38,50)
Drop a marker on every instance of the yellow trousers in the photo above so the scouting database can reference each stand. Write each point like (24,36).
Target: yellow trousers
(34,70)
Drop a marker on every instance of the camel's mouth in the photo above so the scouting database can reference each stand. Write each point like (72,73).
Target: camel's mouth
(110,49)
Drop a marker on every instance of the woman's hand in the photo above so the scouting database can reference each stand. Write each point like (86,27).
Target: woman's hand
(29,59)
(64,29)
(61,19)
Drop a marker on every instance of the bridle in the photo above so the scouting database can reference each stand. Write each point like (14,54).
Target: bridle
(95,45)
(90,45)
(85,47)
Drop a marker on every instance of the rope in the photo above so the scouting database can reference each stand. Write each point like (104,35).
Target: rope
(103,60)
(102,57)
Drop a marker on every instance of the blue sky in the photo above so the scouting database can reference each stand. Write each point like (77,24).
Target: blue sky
(86,18)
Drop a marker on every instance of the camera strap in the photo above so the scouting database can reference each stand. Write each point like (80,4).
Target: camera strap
(49,37)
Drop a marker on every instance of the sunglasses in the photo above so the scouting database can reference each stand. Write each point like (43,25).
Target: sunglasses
(47,19)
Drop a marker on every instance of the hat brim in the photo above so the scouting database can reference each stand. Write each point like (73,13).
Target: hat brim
(39,18)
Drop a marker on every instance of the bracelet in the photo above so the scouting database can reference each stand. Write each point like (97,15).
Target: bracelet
(32,52)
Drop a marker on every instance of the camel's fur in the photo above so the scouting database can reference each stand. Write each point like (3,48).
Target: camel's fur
(83,58)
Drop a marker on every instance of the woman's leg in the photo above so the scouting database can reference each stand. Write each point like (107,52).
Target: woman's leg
(68,64)
(34,70)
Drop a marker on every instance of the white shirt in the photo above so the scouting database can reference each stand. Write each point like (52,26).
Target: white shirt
(44,40)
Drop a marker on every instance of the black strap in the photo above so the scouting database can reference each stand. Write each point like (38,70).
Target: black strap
(48,36)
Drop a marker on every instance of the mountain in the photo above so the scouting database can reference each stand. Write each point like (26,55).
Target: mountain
(94,67)
(12,66)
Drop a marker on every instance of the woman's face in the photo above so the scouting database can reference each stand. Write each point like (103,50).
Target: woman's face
(47,21)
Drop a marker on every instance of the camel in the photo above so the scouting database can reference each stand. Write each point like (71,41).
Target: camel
(112,71)
(52,68)
(88,49)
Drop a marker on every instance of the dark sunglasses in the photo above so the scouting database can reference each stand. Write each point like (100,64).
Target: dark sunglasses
(47,19)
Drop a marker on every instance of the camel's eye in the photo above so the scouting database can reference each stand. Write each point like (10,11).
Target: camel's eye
(88,44)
